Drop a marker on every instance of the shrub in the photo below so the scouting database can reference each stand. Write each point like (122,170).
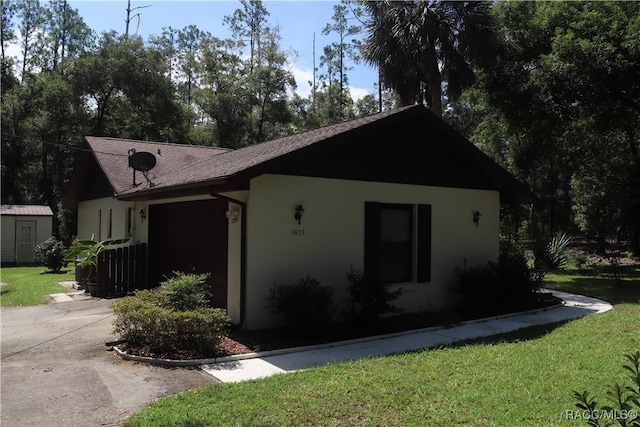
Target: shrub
(624,409)
(136,320)
(169,322)
(517,280)
(509,282)
(478,285)
(552,255)
(557,251)
(52,253)
(307,306)
(368,299)
(185,291)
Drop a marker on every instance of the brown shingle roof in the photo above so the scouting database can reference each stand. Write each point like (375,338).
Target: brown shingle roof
(112,156)
(233,162)
(26,210)
(183,168)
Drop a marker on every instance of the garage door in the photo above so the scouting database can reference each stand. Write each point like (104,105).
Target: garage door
(190,237)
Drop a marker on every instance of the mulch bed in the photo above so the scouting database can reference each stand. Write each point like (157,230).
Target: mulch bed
(242,342)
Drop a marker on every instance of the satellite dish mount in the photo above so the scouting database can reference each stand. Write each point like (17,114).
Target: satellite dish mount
(141,161)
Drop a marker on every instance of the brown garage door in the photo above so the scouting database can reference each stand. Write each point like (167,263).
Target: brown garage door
(190,237)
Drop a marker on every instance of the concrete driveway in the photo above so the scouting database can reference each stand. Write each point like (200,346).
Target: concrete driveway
(56,370)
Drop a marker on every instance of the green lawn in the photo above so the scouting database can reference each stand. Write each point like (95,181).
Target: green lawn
(30,285)
(526,378)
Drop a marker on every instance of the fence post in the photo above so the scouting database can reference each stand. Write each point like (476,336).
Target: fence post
(124,284)
(117,280)
(103,273)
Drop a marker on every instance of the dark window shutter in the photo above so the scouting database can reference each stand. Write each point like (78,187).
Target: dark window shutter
(424,243)
(372,240)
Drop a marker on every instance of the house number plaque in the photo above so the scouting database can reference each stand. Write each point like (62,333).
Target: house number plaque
(297,231)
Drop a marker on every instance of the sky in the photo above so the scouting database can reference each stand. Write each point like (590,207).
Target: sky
(298,21)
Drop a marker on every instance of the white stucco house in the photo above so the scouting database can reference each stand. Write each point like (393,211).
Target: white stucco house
(399,194)
(23,228)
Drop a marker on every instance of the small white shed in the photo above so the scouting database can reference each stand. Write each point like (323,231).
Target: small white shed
(23,228)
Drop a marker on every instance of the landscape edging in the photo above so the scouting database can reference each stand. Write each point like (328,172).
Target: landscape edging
(254,355)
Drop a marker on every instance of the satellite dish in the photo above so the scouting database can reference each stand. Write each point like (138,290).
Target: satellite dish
(142,161)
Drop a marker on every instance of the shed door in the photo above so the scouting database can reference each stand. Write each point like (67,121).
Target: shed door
(190,237)
(25,241)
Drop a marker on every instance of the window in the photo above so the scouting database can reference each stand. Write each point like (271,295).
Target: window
(99,236)
(129,223)
(397,242)
(110,225)
(25,235)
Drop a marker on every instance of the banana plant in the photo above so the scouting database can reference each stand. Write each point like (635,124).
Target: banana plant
(90,249)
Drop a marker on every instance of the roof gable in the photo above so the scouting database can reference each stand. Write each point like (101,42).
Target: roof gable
(399,153)
(407,145)
(403,145)
(247,162)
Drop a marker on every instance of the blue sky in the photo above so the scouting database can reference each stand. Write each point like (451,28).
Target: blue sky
(298,20)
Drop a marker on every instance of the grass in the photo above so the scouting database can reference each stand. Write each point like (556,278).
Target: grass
(524,378)
(30,285)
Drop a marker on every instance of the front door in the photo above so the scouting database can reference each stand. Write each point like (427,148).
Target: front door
(190,237)
(25,242)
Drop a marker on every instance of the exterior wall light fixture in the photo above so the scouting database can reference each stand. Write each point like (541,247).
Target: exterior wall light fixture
(298,214)
(143,215)
(476,218)
(233,215)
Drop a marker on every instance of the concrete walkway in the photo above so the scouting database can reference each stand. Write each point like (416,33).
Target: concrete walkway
(252,366)
(72,294)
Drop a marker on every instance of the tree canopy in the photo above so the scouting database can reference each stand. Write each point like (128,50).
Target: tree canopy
(420,45)
(560,107)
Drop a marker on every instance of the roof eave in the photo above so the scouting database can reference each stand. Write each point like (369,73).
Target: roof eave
(181,190)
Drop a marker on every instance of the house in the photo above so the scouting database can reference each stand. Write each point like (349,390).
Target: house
(399,194)
(23,228)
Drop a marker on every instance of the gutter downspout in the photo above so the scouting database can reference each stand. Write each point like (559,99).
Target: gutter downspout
(243,251)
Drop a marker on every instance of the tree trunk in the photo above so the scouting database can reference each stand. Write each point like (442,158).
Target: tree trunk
(435,82)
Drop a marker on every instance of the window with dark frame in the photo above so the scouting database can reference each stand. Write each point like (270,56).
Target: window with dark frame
(99,224)
(397,242)
(110,225)
(129,222)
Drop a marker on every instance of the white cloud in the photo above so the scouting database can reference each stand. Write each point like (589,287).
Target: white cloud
(303,77)
(358,93)
(13,50)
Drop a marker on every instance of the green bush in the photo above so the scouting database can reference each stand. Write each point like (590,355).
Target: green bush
(306,306)
(517,281)
(153,296)
(136,322)
(479,286)
(185,291)
(168,322)
(509,282)
(551,254)
(52,252)
(368,299)
(624,399)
